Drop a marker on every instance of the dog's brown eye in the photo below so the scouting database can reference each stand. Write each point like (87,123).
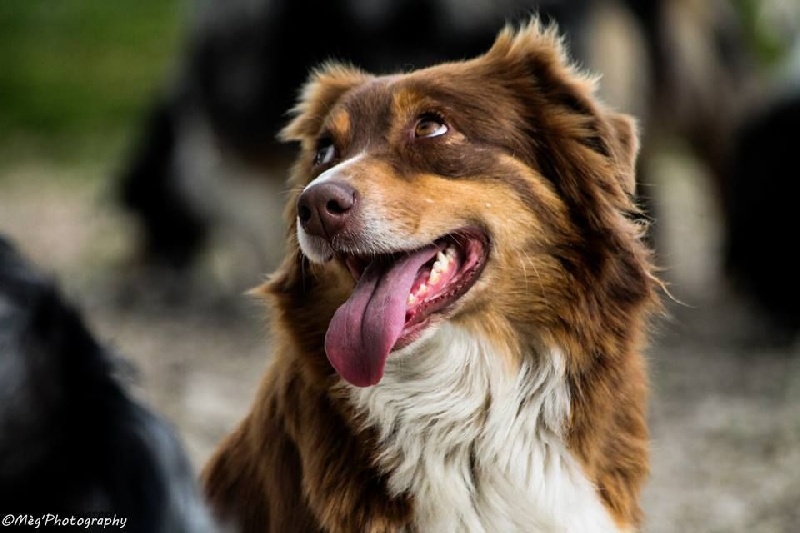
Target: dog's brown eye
(326,152)
(429,126)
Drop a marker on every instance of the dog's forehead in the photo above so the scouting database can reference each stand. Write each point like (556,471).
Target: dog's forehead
(372,108)
(367,109)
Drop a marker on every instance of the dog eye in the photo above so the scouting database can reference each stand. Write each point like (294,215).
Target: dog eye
(429,126)
(326,152)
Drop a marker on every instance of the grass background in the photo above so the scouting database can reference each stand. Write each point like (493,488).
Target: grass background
(76,74)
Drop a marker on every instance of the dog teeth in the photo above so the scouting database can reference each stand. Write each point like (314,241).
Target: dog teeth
(444,262)
(440,259)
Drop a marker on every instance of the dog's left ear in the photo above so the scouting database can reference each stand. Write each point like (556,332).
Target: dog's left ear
(624,138)
(560,103)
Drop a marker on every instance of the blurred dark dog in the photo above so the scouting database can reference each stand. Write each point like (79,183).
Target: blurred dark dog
(763,216)
(207,162)
(73,442)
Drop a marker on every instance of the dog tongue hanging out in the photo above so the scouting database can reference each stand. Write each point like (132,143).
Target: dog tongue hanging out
(460,317)
(393,299)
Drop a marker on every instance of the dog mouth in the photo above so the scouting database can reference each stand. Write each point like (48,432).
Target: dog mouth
(396,297)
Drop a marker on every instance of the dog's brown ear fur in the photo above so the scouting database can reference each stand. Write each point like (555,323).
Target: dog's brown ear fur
(564,112)
(324,88)
(624,132)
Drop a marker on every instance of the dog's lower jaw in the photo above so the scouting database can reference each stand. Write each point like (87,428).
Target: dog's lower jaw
(314,248)
(480,448)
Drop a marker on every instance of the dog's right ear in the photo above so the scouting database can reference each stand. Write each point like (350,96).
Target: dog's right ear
(324,88)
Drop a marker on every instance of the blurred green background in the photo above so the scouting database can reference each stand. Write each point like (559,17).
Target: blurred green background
(75,74)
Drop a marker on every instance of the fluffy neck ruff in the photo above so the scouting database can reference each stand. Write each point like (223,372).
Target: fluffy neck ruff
(477,446)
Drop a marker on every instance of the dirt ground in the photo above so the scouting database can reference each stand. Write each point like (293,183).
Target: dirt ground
(724,417)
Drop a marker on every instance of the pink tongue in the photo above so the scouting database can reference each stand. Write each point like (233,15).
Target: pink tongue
(364,329)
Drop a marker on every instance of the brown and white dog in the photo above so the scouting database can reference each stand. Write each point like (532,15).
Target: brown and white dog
(460,316)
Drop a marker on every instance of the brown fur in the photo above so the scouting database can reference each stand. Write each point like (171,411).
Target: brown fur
(535,160)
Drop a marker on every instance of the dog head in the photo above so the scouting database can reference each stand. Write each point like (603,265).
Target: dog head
(495,193)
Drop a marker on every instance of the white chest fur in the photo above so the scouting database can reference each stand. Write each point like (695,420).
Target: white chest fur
(479,449)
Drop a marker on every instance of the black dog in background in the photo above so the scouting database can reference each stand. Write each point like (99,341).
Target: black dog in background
(72,440)
(759,253)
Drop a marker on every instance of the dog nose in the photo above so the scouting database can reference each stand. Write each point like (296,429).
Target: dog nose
(324,209)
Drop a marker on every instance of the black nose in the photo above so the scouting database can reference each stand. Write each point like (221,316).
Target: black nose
(325,208)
